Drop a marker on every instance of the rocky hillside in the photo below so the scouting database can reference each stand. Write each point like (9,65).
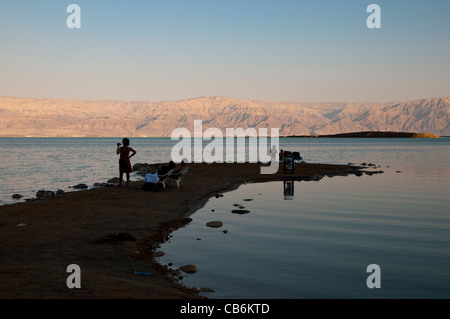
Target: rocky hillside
(55,117)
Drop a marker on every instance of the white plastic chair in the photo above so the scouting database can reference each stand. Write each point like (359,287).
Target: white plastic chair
(179,176)
(164,179)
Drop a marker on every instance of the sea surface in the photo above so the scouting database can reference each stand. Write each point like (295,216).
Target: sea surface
(299,239)
(317,239)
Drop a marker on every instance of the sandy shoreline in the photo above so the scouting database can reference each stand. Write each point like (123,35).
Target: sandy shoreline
(112,232)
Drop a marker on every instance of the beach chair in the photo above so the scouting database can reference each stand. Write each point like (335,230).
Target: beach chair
(164,179)
(178,176)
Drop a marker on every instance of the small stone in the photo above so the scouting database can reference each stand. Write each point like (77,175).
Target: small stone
(240,211)
(247,199)
(80,186)
(214,224)
(225,231)
(100,184)
(114,180)
(159,253)
(16,196)
(60,192)
(207,290)
(43,194)
(189,269)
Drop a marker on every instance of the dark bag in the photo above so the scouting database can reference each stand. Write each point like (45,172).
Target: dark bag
(151,187)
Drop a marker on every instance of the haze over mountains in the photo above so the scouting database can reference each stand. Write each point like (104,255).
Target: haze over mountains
(56,117)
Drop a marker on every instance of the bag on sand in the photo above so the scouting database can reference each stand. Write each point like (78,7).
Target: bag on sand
(151,187)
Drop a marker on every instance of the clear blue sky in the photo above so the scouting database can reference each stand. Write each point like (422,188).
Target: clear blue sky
(290,50)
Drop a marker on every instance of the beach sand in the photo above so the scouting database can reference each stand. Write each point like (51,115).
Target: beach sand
(92,229)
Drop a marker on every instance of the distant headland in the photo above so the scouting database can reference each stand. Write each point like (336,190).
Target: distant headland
(375,134)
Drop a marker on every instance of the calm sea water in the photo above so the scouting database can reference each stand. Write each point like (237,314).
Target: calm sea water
(32,164)
(319,242)
(314,244)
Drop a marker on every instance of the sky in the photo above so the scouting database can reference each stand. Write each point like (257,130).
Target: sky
(279,50)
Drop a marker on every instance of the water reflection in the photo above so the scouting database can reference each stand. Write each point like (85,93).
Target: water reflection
(288,189)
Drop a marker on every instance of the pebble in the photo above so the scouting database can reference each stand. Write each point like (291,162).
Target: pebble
(43,194)
(240,211)
(214,224)
(114,180)
(160,253)
(100,184)
(80,186)
(207,290)
(189,269)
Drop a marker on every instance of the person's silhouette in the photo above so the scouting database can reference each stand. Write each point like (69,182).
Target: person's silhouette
(124,160)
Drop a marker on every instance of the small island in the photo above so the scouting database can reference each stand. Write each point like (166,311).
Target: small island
(374,134)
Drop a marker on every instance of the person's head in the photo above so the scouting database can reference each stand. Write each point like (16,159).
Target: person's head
(171,164)
(126,142)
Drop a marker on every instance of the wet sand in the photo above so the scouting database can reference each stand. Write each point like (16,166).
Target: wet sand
(112,232)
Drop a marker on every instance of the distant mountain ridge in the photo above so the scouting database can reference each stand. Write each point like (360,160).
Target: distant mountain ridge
(57,117)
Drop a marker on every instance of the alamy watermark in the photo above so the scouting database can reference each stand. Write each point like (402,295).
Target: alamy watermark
(259,148)
(374,279)
(74,19)
(74,279)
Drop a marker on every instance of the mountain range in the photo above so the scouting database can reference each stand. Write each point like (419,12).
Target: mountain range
(57,117)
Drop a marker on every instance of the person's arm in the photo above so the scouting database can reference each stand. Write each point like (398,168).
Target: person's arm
(132,151)
(118,148)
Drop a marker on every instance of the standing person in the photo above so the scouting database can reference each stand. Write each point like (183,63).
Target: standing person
(281,155)
(124,160)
